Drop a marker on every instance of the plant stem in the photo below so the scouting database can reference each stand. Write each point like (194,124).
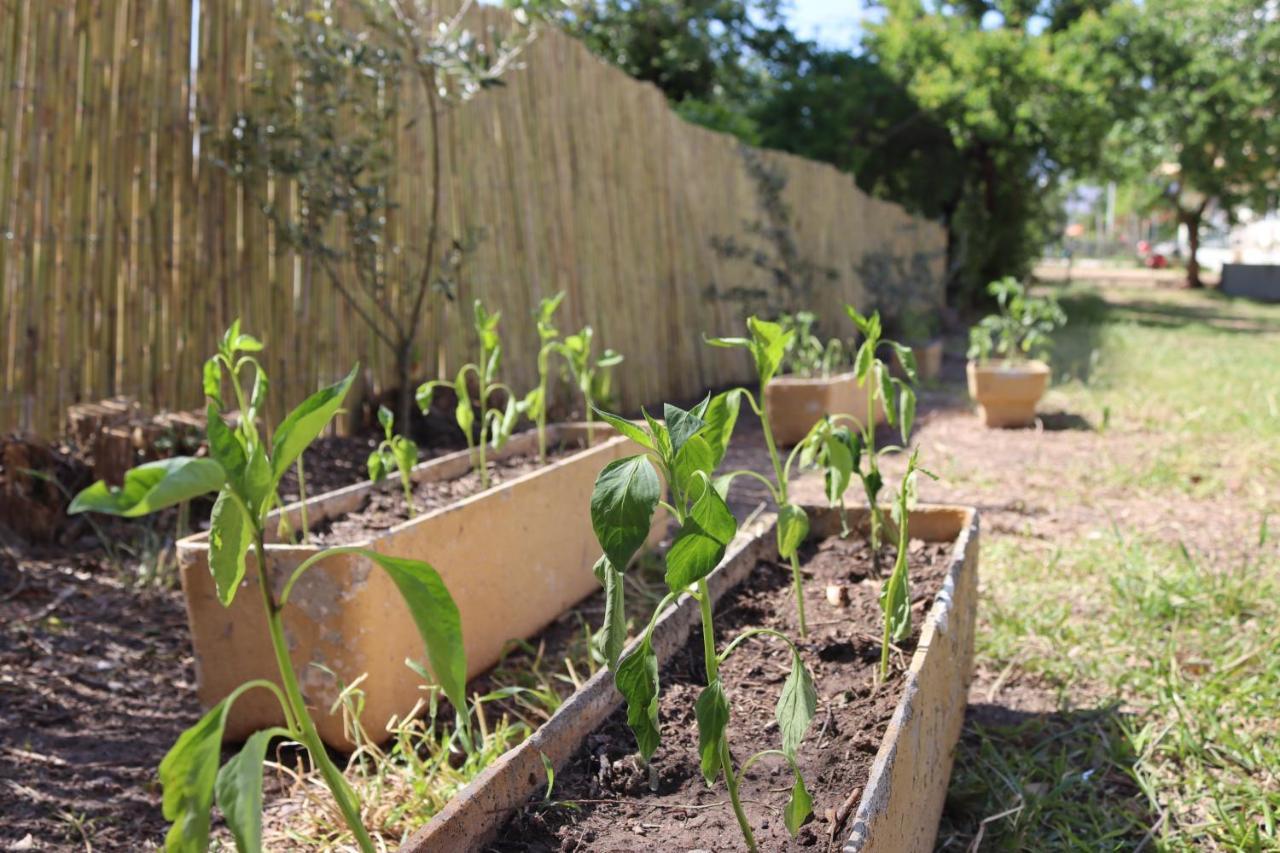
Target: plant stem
(712,664)
(342,793)
(798,585)
(781,476)
(302,501)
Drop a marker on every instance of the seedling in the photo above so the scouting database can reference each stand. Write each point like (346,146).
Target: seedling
(768,345)
(394,453)
(895,596)
(590,375)
(806,355)
(244,469)
(1020,329)
(495,424)
(685,451)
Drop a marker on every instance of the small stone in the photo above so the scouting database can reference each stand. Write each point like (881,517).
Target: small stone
(837,594)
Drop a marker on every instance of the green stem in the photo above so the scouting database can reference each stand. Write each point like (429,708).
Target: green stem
(781,495)
(797,584)
(346,798)
(302,501)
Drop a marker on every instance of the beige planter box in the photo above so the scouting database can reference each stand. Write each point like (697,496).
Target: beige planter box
(514,557)
(1007,391)
(796,403)
(902,801)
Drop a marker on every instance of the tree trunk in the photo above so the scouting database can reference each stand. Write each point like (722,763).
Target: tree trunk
(405,399)
(1192,220)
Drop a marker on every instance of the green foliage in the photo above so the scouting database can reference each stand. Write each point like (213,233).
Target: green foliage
(685,447)
(1021,329)
(246,478)
(393,453)
(497,421)
(806,355)
(895,595)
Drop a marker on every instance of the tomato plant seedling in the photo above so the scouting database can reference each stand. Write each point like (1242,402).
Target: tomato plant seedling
(496,424)
(685,449)
(1021,327)
(394,453)
(244,468)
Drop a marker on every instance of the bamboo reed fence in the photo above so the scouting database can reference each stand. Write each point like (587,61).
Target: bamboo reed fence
(124,252)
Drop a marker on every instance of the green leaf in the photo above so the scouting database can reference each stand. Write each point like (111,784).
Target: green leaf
(721,416)
(187,774)
(681,425)
(862,363)
(510,413)
(424,394)
(239,789)
(797,704)
(768,346)
(258,397)
(637,680)
(703,538)
(798,807)
(533,403)
(895,601)
(212,380)
(906,411)
(406,454)
(258,484)
(622,505)
(436,615)
(793,527)
(386,419)
(729,343)
(695,456)
(377,467)
(304,423)
(246,343)
(906,358)
(661,437)
(858,319)
(626,427)
(839,465)
(613,633)
(230,534)
(226,447)
(152,487)
(712,713)
(462,412)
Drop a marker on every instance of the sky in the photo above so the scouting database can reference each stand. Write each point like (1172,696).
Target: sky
(834,23)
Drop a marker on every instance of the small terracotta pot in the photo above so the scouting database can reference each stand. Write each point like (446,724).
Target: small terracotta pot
(796,403)
(928,361)
(1007,391)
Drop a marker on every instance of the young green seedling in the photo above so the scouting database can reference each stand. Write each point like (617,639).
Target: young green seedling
(496,424)
(895,595)
(685,451)
(1022,326)
(535,402)
(244,469)
(394,453)
(806,355)
(767,344)
(844,452)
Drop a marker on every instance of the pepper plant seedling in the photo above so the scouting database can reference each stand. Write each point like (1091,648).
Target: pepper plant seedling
(895,595)
(244,469)
(495,424)
(1021,327)
(394,453)
(806,355)
(685,450)
(768,344)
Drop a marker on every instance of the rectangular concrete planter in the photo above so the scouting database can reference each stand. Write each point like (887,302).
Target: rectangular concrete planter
(901,803)
(514,558)
(796,403)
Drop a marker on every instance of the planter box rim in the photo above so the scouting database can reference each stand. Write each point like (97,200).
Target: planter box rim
(792,379)
(1025,367)
(479,810)
(199,541)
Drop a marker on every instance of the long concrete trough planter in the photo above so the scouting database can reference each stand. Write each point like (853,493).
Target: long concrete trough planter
(796,403)
(514,558)
(901,802)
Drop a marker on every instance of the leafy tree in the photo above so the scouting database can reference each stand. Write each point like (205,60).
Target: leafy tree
(325,110)
(1196,84)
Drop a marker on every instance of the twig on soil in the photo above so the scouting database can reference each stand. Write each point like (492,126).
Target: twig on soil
(982,827)
(50,607)
(1151,833)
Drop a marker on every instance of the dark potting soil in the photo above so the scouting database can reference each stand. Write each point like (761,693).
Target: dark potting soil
(602,800)
(385,506)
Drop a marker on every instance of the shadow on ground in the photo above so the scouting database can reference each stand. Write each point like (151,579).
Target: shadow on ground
(1044,781)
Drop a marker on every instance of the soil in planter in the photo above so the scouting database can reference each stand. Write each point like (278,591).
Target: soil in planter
(385,507)
(602,800)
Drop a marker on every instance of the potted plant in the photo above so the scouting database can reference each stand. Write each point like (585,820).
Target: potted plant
(508,533)
(918,331)
(815,378)
(1006,371)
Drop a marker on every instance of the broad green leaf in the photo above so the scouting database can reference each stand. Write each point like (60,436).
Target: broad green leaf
(306,422)
(627,428)
(614,630)
(839,466)
(246,343)
(386,419)
(862,364)
(695,456)
(721,416)
(681,425)
(257,483)
(509,415)
(377,467)
(793,527)
(230,534)
(661,437)
(212,380)
(701,542)
(712,713)
(239,789)
(768,346)
(797,703)
(888,395)
(895,601)
(906,358)
(436,615)
(906,411)
(225,447)
(798,808)
(637,680)
(187,774)
(152,487)
(462,412)
(622,504)
(406,454)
